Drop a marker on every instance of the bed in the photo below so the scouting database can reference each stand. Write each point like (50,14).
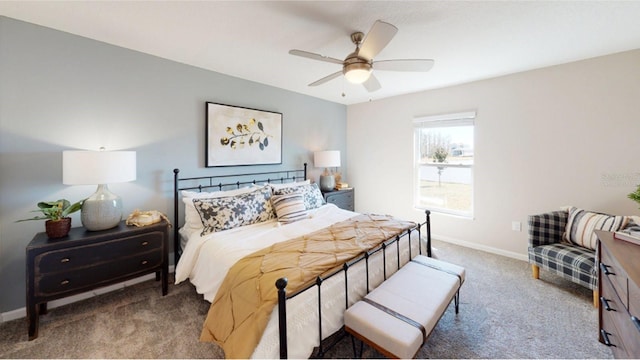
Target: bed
(217,236)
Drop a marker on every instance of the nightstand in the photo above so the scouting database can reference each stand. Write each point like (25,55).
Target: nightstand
(85,260)
(343,199)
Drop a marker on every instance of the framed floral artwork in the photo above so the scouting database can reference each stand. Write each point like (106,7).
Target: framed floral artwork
(241,136)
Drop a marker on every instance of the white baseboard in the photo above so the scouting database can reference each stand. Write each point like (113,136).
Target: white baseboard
(488,249)
(22,312)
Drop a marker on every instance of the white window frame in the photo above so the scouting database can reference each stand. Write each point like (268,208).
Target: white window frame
(434,121)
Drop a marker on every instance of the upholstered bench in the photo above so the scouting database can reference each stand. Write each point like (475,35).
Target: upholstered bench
(397,317)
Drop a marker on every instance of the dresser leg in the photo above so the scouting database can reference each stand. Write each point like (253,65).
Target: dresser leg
(32,315)
(596,298)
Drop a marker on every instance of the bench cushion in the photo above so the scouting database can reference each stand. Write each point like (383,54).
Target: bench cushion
(421,291)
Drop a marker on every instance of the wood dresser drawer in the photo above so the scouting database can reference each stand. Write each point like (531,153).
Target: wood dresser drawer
(611,270)
(90,255)
(618,278)
(615,320)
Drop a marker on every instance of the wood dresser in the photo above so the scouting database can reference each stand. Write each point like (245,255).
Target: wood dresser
(619,288)
(86,260)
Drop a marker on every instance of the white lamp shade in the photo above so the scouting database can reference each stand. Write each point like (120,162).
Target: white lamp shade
(98,167)
(325,159)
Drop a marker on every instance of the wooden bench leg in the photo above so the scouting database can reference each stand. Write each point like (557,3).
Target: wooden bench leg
(535,271)
(596,298)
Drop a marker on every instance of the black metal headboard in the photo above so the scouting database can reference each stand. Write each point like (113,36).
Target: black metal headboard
(224,182)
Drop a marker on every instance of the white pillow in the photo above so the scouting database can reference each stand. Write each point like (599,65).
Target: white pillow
(192,221)
(277,186)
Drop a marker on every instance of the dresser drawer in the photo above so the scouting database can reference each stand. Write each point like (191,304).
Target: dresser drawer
(634,299)
(611,335)
(77,279)
(613,313)
(88,255)
(610,269)
(341,198)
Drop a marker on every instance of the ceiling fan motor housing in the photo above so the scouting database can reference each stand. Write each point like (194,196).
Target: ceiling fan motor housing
(355,64)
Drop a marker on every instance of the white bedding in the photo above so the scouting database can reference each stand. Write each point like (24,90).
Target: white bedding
(206,260)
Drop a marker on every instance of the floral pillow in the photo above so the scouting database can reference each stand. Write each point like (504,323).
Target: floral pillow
(192,220)
(229,212)
(310,194)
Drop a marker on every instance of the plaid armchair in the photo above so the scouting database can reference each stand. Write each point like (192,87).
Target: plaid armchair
(549,251)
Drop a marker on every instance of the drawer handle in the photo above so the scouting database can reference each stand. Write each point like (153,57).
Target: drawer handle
(144,243)
(64,282)
(65,260)
(636,322)
(144,262)
(605,269)
(605,338)
(605,304)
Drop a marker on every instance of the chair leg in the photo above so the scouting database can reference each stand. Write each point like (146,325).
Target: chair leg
(535,271)
(596,298)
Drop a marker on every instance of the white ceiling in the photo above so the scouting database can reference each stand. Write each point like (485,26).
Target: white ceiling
(469,40)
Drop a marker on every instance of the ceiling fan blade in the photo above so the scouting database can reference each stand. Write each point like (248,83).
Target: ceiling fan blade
(404,65)
(314,56)
(326,78)
(377,38)
(372,84)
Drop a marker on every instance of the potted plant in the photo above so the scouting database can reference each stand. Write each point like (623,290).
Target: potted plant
(56,213)
(635,196)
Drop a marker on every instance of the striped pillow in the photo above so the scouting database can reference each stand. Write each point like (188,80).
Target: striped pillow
(581,225)
(289,207)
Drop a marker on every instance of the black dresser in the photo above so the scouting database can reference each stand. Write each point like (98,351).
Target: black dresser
(85,260)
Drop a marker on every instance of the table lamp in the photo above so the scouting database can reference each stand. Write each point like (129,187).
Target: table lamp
(327,159)
(103,209)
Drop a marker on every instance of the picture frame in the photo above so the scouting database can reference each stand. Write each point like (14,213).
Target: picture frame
(237,136)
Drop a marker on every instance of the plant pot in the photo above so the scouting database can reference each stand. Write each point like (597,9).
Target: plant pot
(58,228)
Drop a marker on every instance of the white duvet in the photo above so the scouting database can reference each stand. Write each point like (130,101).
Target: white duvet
(206,260)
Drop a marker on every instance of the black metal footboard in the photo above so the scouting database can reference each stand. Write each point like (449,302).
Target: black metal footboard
(281,283)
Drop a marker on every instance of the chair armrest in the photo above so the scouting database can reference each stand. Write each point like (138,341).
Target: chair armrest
(547,228)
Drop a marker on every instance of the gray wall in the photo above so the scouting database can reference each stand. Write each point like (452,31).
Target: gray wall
(60,91)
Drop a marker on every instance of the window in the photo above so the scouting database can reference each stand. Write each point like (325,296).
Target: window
(443,174)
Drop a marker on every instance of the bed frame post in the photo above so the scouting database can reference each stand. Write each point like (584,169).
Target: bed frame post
(281,284)
(176,236)
(428,216)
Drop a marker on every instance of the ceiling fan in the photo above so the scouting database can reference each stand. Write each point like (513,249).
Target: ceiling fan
(358,65)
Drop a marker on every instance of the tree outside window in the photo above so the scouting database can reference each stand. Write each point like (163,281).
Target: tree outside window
(444,163)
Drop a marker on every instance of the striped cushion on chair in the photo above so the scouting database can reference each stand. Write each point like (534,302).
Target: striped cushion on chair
(581,225)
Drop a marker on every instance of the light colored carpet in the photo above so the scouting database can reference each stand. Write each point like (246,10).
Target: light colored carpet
(504,313)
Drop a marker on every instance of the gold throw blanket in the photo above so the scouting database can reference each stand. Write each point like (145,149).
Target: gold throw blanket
(243,304)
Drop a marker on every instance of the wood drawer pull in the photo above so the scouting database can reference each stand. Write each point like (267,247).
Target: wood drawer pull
(605,304)
(605,269)
(144,243)
(144,262)
(605,337)
(64,282)
(65,260)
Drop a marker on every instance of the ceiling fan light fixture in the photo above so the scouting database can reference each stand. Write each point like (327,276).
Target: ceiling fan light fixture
(357,73)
